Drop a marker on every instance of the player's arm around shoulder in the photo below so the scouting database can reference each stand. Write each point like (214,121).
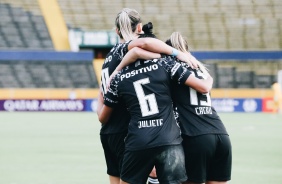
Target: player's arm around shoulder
(134,54)
(200,85)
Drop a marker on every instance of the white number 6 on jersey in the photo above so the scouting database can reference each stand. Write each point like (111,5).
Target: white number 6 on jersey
(148,103)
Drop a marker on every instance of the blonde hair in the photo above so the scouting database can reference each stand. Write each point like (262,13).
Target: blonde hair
(177,41)
(126,23)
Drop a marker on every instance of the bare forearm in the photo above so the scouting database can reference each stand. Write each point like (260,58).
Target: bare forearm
(100,102)
(134,54)
(209,83)
(155,45)
(200,85)
(103,116)
(144,54)
(158,46)
(104,112)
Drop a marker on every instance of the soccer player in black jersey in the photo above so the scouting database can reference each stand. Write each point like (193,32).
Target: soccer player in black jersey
(202,129)
(207,147)
(153,135)
(112,134)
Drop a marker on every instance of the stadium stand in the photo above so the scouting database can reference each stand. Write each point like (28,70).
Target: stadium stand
(261,81)
(21,28)
(214,25)
(6,77)
(226,76)
(208,25)
(47,74)
(47,69)
(244,79)
(27,5)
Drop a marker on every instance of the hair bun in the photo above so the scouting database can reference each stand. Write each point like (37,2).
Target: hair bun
(148,28)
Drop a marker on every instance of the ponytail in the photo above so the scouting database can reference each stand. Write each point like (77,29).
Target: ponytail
(126,23)
(177,41)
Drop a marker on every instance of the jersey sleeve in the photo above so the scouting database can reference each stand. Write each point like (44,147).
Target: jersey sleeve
(111,97)
(116,55)
(178,72)
(124,49)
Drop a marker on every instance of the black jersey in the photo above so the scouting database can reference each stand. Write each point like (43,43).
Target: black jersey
(119,119)
(195,112)
(145,88)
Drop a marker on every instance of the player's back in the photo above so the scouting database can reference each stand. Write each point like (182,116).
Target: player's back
(119,119)
(145,88)
(196,114)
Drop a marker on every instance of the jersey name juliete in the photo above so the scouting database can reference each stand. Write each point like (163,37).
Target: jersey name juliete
(141,70)
(150,123)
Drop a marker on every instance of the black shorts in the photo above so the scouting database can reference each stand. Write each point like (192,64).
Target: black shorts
(113,145)
(168,160)
(208,157)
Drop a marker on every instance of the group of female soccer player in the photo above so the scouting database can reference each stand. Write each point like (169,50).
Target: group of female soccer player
(156,112)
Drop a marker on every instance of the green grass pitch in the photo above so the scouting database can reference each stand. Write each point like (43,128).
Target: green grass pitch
(65,148)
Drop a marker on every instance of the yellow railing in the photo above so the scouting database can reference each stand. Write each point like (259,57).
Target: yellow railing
(48,93)
(241,93)
(92,93)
